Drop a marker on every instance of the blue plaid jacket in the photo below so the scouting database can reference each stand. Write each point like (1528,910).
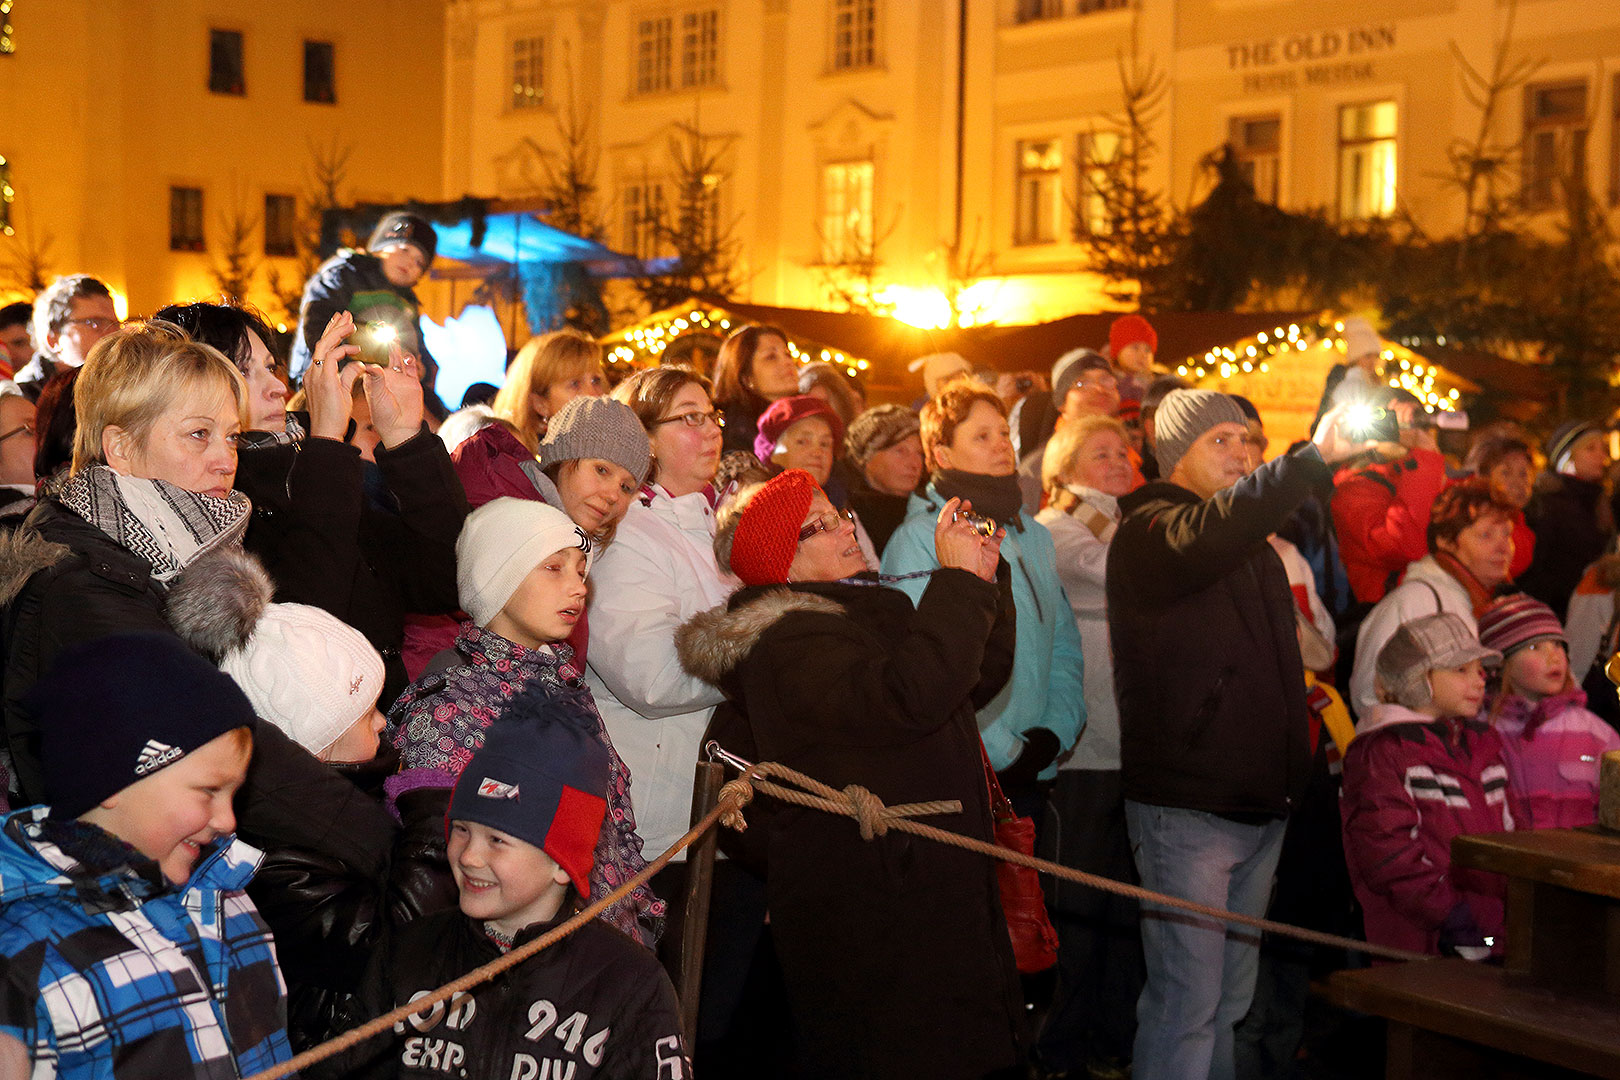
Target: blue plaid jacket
(123,976)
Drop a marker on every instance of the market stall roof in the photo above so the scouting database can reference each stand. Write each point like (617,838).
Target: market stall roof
(518,238)
(1182,334)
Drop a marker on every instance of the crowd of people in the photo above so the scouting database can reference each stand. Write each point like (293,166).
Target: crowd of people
(314,703)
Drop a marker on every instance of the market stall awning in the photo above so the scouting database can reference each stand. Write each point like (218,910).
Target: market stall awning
(520,238)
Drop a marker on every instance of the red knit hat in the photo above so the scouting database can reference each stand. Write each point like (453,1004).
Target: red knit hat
(784,413)
(1128,330)
(767,537)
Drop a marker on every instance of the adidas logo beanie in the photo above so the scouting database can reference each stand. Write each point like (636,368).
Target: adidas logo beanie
(117,709)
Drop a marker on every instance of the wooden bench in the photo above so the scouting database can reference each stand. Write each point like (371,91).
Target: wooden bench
(1441,1012)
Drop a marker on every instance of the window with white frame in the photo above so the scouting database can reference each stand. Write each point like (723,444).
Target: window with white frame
(1555,126)
(644,216)
(1256,142)
(1039,203)
(854,34)
(700,48)
(846,211)
(1095,151)
(1367,166)
(655,53)
(528,72)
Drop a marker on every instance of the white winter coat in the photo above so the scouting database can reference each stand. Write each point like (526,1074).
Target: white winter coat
(659,571)
(1427,589)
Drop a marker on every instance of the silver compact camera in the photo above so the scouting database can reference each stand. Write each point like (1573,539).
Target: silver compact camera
(985,527)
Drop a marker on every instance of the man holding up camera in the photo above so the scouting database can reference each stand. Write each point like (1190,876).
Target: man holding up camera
(1212,710)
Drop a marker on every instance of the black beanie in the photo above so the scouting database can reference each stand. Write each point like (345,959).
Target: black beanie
(400,227)
(116,710)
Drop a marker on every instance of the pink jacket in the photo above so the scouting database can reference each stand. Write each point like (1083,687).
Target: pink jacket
(1411,784)
(1554,770)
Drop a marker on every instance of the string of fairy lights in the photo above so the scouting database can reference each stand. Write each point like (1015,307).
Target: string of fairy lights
(1398,366)
(644,344)
(8,36)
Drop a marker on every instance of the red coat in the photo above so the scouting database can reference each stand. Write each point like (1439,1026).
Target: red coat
(1381,513)
(1411,784)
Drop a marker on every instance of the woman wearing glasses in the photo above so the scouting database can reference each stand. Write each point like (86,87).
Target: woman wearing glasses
(894,951)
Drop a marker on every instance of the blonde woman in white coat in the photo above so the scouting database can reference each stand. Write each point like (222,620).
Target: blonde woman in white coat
(1086,467)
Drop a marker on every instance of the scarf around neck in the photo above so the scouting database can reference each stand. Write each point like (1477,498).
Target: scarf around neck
(166,525)
(1097,510)
(1479,597)
(995,497)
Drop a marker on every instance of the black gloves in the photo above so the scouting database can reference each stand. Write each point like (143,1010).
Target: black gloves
(1461,936)
(1041,748)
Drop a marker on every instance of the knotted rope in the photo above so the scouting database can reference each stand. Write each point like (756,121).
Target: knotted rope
(873,819)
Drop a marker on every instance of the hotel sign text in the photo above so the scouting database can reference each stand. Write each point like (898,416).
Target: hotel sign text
(1316,58)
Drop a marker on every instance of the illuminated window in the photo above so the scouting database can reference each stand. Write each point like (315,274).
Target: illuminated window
(854,34)
(846,211)
(1035,10)
(320,73)
(280,225)
(528,72)
(1554,141)
(1095,153)
(1257,143)
(643,218)
(1367,160)
(7,195)
(185,219)
(654,54)
(700,48)
(225,62)
(8,36)
(1040,191)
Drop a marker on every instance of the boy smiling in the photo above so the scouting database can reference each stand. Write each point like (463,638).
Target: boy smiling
(130,948)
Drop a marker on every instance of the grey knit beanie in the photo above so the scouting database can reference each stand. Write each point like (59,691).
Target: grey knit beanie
(877,429)
(1068,369)
(1183,416)
(601,428)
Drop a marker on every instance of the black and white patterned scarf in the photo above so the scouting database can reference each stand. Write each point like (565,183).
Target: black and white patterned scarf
(166,525)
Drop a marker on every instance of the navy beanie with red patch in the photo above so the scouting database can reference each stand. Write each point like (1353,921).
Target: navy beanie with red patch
(542,777)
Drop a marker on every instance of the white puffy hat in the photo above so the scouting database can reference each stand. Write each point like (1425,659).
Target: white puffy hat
(308,673)
(500,543)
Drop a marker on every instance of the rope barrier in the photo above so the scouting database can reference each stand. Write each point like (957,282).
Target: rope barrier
(873,819)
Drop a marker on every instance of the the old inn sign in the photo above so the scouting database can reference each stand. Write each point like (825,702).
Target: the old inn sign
(1314,58)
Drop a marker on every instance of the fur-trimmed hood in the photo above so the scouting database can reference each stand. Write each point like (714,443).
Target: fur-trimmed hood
(24,553)
(712,643)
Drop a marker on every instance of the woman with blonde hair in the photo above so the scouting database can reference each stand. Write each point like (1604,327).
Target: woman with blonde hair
(120,546)
(548,372)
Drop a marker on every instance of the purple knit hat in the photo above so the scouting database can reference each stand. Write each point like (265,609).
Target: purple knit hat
(1515,622)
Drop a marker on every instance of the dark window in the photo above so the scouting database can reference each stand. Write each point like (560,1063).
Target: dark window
(1035,10)
(1257,142)
(225,62)
(280,225)
(320,73)
(1555,123)
(185,219)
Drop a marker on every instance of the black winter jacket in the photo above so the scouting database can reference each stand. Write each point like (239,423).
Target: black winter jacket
(62,582)
(354,281)
(1207,668)
(594,1006)
(895,952)
(325,546)
(1563,513)
(328,919)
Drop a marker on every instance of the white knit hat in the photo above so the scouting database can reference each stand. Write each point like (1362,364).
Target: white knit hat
(1360,339)
(307,672)
(501,542)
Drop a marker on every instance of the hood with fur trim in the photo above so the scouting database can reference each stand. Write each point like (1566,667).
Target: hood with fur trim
(215,603)
(712,643)
(24,553)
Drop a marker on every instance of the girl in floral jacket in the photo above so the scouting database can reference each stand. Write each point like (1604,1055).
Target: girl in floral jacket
(521,570)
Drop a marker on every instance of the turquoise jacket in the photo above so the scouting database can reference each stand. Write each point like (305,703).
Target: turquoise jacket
(1047,688)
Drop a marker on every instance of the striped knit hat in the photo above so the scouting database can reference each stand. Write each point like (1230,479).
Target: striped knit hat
(1518,621)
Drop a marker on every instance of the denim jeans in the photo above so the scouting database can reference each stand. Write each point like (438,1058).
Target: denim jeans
(1200,973)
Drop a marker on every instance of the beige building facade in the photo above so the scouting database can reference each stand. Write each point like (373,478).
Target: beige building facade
(138,134)
(844,126)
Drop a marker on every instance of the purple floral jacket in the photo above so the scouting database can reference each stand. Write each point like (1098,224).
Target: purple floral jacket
(439,721)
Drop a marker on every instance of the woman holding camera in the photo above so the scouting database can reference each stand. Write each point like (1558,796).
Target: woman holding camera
(1039,714)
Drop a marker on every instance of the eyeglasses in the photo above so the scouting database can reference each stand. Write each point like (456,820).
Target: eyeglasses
(830,522)
(26,429)
(96,323)
(695,419)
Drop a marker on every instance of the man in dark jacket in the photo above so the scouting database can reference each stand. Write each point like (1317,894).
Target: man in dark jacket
(1212,711)
(377,287)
